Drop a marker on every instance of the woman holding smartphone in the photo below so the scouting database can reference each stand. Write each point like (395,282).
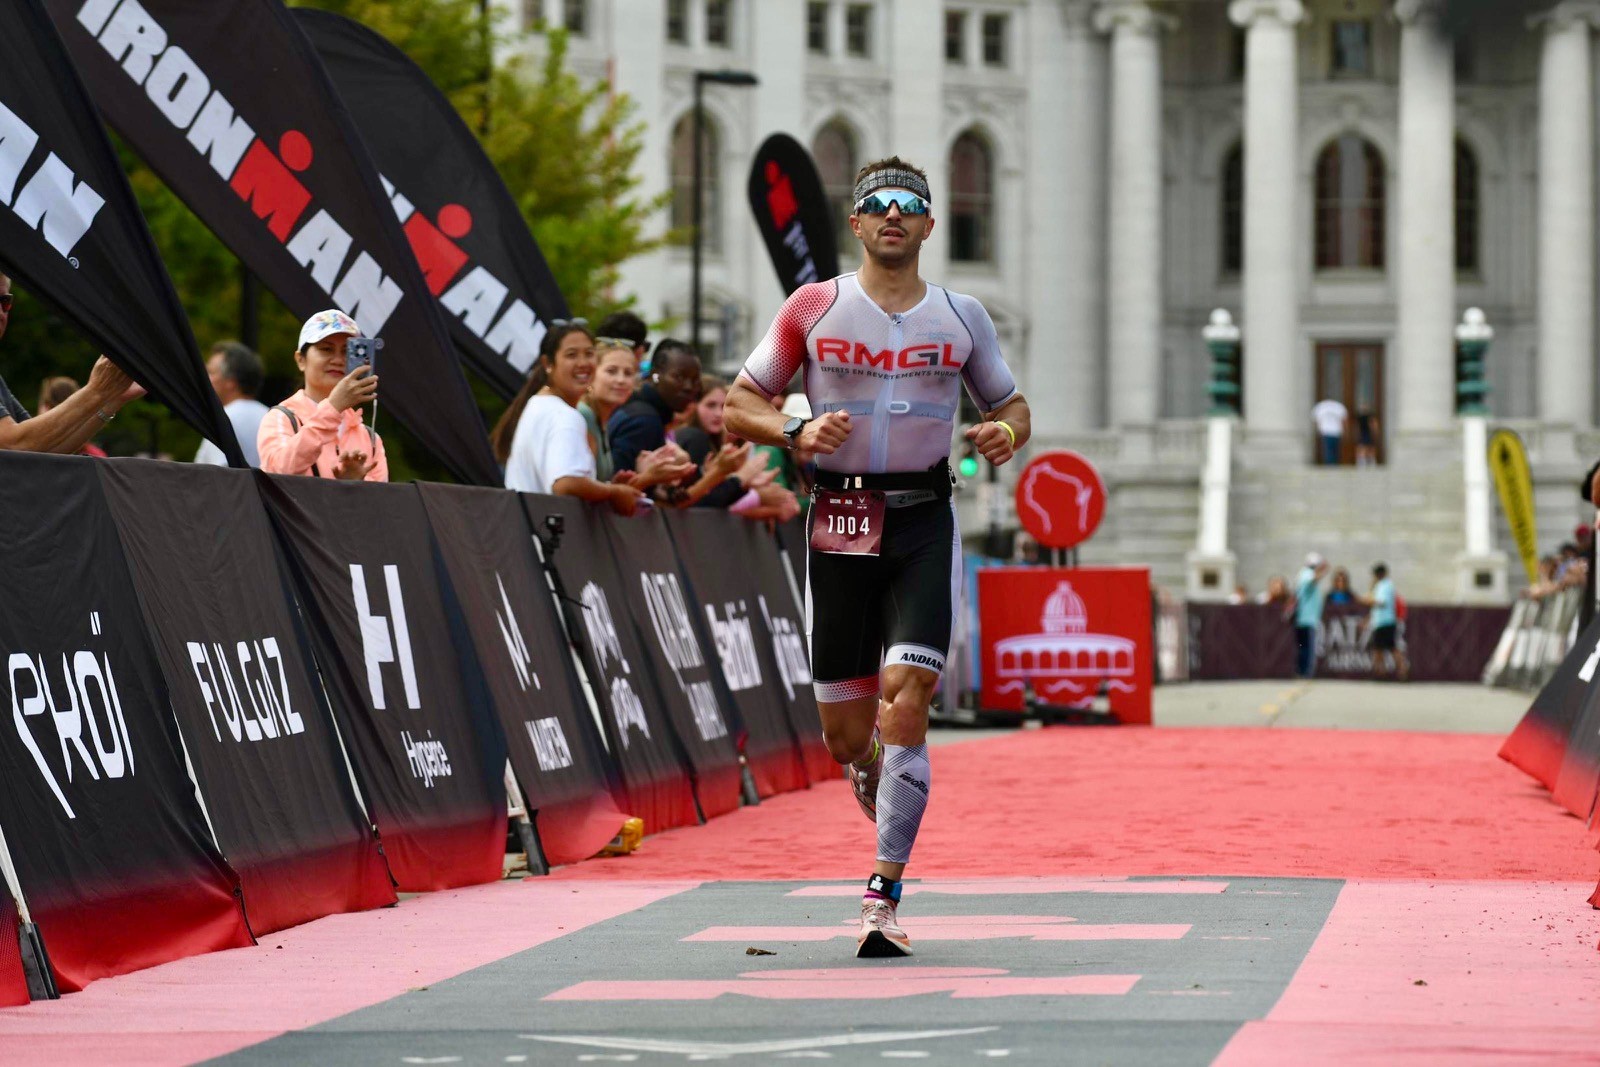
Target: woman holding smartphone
(319,430)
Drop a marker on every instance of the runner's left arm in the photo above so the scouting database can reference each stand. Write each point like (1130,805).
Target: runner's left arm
(993,388)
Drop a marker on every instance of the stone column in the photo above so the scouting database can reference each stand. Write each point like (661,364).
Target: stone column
(1066,258)
(1134,307)
(1566,214)
(1273,399)
(1424,253)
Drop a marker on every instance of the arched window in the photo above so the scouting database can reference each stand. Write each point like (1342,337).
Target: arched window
(683,180)
(971,200)
(1233,210)
(835,152)
(1350,205)
(1467,208)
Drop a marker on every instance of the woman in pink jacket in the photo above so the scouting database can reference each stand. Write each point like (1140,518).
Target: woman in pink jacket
(319,431)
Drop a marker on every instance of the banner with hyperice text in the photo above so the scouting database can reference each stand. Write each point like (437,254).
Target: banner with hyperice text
(431,761)
(71,230)
(230,105)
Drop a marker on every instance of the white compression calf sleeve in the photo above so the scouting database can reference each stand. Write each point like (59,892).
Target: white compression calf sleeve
(902,798)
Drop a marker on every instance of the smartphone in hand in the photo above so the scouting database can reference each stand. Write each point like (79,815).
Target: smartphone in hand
(362,351)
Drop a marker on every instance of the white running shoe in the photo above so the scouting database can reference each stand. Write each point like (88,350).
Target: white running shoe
(881,935)
(864,782)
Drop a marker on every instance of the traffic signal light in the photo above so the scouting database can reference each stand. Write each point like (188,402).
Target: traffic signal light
(968,466)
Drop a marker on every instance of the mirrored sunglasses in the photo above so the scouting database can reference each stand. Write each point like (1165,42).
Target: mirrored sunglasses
(878,203)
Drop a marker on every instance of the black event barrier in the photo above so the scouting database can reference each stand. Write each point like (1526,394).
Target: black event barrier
(74,233)
(1442,643)
(229,103)
(555,749)
(111,847)
(650,759)
(264,749)
(430,760)
(1558,739)
(685,681)
(784,623)
(476,252)
(719,560)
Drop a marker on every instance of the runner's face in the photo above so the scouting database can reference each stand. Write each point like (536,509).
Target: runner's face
(617,377)
(892,238)
(711,411)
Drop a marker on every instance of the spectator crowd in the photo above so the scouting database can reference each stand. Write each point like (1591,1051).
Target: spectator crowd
(602,416)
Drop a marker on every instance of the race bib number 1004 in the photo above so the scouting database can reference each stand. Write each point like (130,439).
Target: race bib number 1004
(847,523)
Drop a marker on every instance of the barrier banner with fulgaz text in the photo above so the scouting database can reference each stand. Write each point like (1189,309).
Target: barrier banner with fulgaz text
(652,764)
(676,660)
(477,254)
(230,105)
(717,551)
(110,844)
(430,761)
(556,752)
(263,746)
(71,230)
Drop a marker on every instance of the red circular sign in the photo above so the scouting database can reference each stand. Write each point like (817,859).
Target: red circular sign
(1060,499)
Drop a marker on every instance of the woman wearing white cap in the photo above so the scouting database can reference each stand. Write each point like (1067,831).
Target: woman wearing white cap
(318,431)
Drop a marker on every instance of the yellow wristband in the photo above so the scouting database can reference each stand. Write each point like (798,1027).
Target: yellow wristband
(1009,431)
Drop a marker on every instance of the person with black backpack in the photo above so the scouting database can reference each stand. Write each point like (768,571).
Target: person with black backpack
(319,430)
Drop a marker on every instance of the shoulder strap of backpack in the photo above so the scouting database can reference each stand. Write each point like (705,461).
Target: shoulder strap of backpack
(294,427)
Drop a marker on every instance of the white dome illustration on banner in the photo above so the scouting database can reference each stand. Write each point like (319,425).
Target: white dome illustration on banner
(1065,659)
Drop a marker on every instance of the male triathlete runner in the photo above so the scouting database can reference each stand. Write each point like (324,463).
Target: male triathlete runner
(884,355)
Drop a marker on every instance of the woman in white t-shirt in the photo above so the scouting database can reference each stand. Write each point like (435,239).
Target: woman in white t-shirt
(542,439)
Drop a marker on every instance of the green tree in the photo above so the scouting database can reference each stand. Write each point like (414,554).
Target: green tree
(566,149)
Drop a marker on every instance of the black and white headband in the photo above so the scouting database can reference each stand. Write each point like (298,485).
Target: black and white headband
(892,178)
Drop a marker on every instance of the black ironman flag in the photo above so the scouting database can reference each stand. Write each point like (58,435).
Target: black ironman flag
(71,230)
(230,105)
(475,249)
(792,213)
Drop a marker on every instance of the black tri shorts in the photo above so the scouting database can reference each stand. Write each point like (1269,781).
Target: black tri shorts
(867,612)
(1383,638)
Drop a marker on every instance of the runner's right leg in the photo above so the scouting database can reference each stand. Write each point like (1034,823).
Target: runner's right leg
(844,634)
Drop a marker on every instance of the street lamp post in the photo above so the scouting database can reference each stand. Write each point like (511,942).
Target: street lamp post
(1222,338)
(701,77)
(1472,342)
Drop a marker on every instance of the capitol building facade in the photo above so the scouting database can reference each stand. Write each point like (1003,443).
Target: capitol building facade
(1345,177)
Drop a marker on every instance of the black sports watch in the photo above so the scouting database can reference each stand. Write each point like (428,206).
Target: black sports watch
(792,428)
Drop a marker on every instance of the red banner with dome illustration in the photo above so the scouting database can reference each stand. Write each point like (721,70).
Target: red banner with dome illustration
(1075,637)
